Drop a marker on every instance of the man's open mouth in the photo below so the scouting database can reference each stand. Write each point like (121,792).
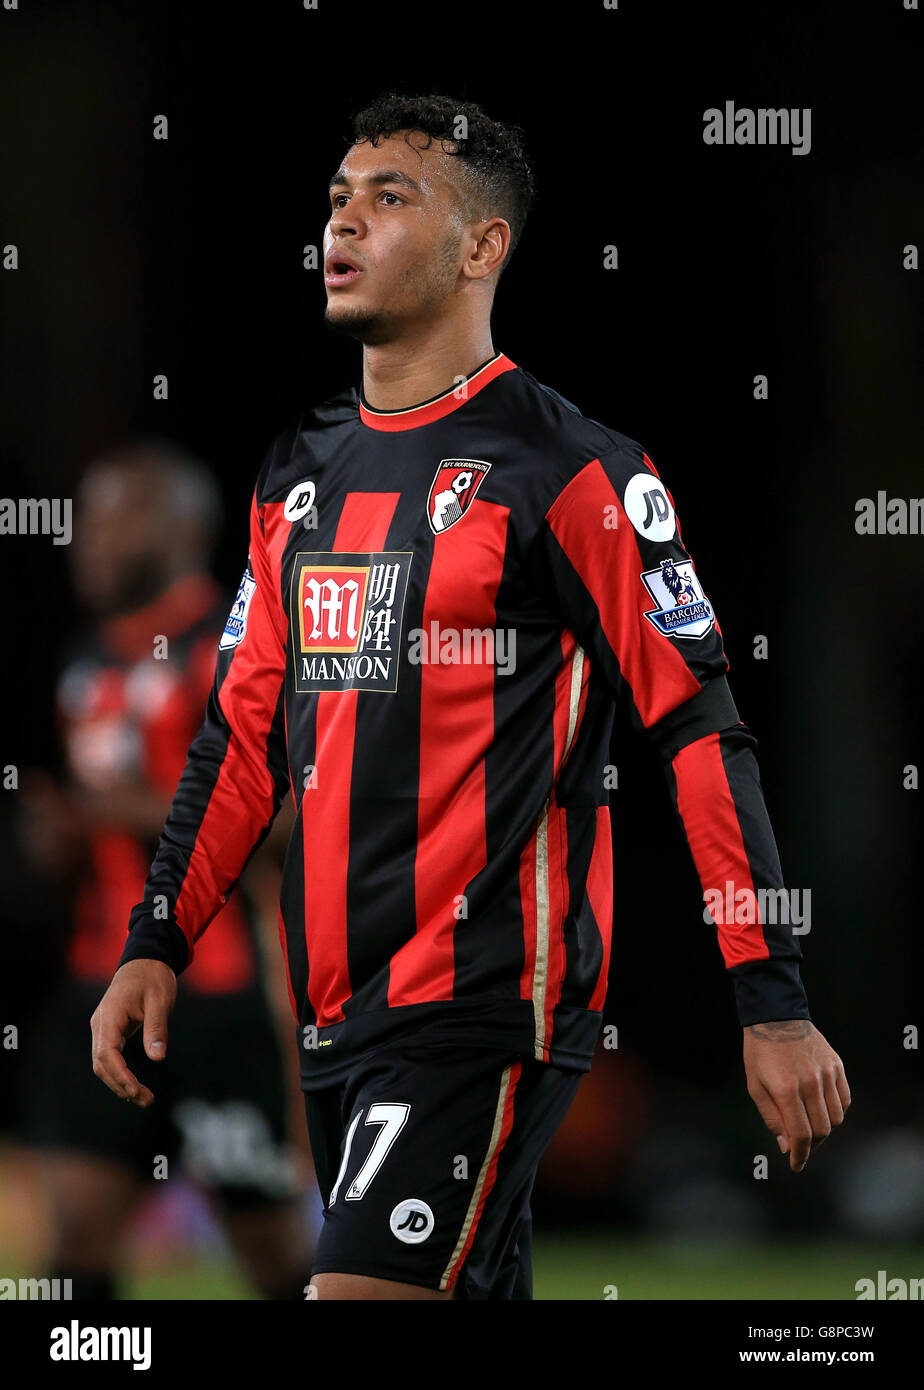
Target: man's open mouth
(341,273)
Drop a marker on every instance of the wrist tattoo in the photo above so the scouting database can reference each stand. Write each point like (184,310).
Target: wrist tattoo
(784,1030)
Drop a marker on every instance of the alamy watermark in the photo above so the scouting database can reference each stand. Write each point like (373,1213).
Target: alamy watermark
(883,1287)
(86,1343)
(37,516)
(467,646)
(746,906)
(28,1289)
(889,516)
(741,125)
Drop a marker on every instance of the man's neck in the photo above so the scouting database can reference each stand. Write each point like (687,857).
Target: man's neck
(404,373)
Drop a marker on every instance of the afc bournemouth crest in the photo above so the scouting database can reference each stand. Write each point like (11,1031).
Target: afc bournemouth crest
(452,491)
(682,608)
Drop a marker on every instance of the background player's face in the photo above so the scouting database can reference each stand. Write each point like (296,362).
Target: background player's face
(405,231)
(122,552)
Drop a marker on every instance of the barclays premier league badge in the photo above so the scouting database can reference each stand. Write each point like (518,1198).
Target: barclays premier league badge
(236,625)
(682,609)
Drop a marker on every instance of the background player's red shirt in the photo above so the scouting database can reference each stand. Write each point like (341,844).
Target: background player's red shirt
(125,714)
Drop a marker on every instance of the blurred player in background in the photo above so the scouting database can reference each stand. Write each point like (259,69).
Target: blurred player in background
(129,699)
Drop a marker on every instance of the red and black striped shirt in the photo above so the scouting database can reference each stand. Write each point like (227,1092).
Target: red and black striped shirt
(126,717)
(443,609)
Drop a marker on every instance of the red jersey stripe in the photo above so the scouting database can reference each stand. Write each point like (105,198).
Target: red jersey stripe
(276,532)
(558,909)
(657,674)
(457,728)
(225,838)
(600,896)
(707,809)
(564,683)
(543,902)
(363,526)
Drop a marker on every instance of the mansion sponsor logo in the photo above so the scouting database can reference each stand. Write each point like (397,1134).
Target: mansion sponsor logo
(766,126)
(468,646)
(76,1343)
(37,516)
(746,906)
(347,611)
(889,516)
(27,1289)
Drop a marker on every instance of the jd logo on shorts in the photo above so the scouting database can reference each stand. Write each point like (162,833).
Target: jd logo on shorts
(411,1221)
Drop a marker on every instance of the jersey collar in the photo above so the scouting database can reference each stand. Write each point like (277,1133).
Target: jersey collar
(410,417)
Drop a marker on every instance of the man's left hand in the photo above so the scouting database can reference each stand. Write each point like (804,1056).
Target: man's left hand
(798,1083)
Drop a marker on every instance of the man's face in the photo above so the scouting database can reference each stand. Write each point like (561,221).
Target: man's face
(122,533)
(398,215)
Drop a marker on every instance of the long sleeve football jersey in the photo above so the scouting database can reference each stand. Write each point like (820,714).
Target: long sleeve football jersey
(443,609)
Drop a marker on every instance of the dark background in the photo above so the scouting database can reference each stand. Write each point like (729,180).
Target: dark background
(185,256)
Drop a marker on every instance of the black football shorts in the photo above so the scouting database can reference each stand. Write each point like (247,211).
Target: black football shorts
(426,1158)
(220,1108)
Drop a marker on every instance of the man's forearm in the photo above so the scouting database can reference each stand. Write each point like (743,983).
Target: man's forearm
(715,785)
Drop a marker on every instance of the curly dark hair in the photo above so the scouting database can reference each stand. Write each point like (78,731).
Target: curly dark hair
(496,178)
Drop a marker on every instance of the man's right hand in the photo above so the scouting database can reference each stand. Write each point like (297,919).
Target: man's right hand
(141,991)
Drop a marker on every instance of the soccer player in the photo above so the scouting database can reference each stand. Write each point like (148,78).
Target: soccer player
(454,581)
(130,697)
